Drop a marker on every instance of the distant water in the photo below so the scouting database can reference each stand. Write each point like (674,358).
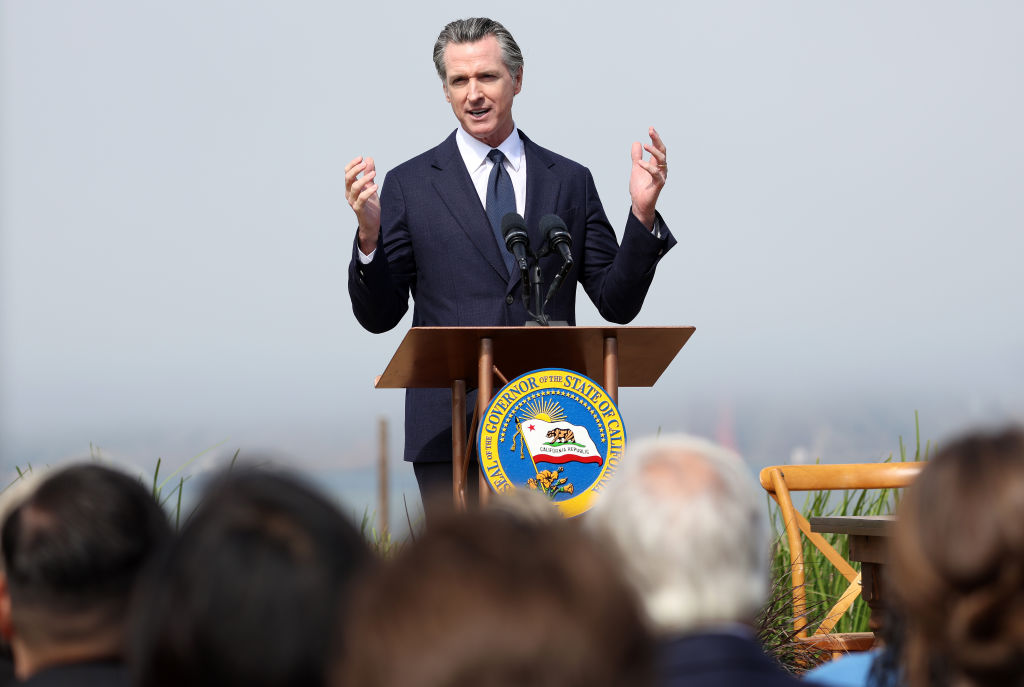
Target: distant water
(338,459)
(356,490)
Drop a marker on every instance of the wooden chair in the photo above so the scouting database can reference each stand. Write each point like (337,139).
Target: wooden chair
(779,481)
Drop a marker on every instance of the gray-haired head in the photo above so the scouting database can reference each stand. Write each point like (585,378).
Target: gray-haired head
(472,30)
(687,520)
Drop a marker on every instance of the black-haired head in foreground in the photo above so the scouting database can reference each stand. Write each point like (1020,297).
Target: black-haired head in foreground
(72,554)
(488,599)
(252,590)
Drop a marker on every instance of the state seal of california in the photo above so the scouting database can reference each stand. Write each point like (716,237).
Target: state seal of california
(554,431)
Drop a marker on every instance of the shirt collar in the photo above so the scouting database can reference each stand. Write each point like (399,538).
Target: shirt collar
(474,152)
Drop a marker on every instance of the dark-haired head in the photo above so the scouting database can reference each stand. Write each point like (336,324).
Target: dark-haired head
(492,599)
(958,565)
(72,553)
(251,591)
(472,30)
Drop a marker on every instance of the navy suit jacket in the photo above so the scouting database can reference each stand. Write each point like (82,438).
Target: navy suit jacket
(436,244)
(719,660)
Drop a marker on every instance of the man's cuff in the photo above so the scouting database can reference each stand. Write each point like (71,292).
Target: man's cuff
(367,259)
(657,227)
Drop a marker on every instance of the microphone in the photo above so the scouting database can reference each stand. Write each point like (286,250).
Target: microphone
(513,228)
(559,239)
(558,235)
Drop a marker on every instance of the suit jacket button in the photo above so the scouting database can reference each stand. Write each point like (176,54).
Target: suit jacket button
(509,300)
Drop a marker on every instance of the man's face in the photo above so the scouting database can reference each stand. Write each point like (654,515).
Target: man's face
(480,89)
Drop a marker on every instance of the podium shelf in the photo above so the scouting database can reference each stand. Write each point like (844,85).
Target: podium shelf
(431,357)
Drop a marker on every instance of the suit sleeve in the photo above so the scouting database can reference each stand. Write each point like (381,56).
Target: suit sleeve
(380,289)
(617,277)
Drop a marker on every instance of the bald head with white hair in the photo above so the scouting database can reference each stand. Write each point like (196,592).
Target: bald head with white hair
(687,520)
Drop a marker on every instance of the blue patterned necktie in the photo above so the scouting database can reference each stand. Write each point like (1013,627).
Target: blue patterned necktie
(501,200)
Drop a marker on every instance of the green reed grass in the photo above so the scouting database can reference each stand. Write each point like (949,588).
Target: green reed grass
(824,584)
(380,541)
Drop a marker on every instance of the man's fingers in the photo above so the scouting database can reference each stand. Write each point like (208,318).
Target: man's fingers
(352,172)
(358,202)
(354,185)
(353,168)
(658,174)
(656,139)
(353,163)
(658,155)
(361,199)
(651,167)
(357,187)
(353,188)
(636,152)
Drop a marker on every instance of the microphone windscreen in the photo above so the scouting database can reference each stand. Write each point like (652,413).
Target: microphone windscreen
(512,224)
(554,228)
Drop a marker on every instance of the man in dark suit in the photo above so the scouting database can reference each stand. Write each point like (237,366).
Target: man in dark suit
(434,230)
(72,553)
(689,525)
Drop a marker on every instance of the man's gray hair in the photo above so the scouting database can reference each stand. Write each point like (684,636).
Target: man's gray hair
(472,30)
(688,522)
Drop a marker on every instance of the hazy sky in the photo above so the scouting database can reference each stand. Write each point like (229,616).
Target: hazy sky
(846,188)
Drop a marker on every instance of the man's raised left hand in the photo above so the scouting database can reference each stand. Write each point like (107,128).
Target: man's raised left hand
(647,177)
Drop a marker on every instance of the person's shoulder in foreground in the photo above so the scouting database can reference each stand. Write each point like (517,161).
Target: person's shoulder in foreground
(720,657)
(851,670)
(90,674)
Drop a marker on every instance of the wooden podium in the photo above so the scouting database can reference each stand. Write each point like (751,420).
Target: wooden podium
(448,357)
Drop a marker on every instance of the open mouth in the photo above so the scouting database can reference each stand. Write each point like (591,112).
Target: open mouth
(477,114)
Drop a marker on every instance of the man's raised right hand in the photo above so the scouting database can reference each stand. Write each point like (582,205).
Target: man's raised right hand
(362,197)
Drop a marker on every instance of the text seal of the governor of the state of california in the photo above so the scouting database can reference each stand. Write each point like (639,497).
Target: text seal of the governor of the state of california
(554,431)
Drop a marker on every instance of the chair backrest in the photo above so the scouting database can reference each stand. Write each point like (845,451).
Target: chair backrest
(780,480)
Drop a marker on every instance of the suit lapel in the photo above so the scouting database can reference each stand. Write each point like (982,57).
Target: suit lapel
(455,187)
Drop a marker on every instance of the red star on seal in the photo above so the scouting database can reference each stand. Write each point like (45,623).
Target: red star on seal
(531,428)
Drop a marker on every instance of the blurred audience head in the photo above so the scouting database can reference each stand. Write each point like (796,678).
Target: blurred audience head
(957,565)
(494,599)
(251,591)
(527,505)
(14,494)
(73,551)
(689,525)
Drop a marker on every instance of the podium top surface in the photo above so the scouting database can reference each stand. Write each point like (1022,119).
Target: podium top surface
(433,357)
